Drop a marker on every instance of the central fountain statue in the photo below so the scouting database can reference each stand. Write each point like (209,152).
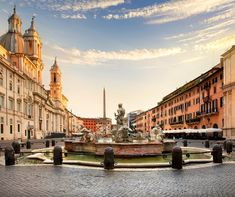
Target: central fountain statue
(121,134)
(119,117)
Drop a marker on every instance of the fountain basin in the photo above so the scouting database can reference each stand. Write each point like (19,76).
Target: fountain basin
(121,149)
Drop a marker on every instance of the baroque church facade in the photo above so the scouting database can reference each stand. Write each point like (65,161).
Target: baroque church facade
(27,109)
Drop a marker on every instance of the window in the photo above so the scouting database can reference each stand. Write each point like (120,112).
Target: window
(221,76)
(221,101)
(214,105)
(40,112)
(11,104)
(202,108)
(25,108)
(30,109)
(18,106)
(214,90)
(47,125)
(11,126)
(54,77)
(18,128)
(2,125)
(30,45)
(18,89)
(1,77)
(40,125)
(10,86)
(1,101)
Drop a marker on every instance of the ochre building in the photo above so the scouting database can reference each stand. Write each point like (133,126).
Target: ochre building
(27,109)
(205,102)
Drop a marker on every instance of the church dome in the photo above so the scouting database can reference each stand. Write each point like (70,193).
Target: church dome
(13,40)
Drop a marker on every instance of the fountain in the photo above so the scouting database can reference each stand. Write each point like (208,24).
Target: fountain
(122,142)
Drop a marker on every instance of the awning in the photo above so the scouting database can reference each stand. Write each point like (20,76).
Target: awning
(208,130)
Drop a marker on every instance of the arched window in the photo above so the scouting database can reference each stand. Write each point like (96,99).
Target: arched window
(54,77)
(30,46)
(215,126)
(39,76)
(38,49)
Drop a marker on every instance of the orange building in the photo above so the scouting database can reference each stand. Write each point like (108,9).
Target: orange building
(197,104)
(90,123)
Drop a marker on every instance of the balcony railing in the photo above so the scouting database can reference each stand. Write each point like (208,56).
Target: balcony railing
(178,122)
(206,99)
(194,120)
(209,112)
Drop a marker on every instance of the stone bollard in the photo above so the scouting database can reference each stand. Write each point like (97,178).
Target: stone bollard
(47,143)
(16,147)
(57,153)
(185,143)
(225,142)
(108,158)
(217,154)
(9,156)
(229,147)
(53,142)
(177,160)
(28,145)
(207,144)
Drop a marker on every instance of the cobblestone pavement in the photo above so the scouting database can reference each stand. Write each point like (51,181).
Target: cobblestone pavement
(210,180)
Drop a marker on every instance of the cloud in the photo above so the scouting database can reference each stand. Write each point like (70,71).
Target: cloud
(171,11)
(211,31)
(190,60)
(96,57)
(70,9)
(75,16)
(225,13)
(85,5)
(222,43)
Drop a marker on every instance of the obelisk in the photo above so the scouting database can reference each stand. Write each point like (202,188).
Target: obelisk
(104,104)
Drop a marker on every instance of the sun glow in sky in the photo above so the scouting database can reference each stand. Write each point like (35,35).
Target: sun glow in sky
(138,50)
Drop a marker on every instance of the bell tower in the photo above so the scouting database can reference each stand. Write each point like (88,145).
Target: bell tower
(14,23)
(55,83)
(33,48)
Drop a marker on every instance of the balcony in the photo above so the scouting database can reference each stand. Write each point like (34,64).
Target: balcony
(193,121)
(154,119)
(209,112)
(206,99)
(177,123)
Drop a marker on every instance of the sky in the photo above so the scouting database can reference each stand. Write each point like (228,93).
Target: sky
(139,50)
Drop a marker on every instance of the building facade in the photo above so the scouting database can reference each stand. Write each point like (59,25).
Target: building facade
(229,93)
(100,126)
(27,109)
(205,102)
(131,116)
